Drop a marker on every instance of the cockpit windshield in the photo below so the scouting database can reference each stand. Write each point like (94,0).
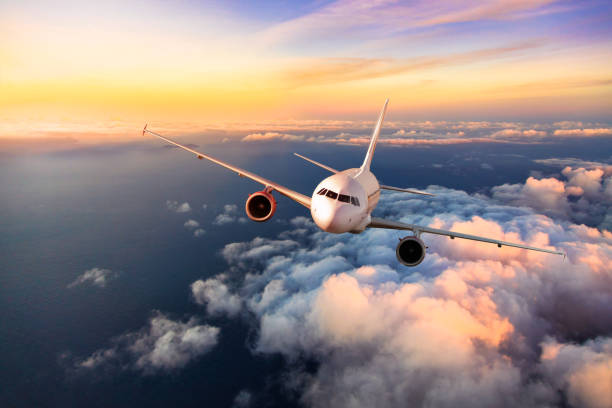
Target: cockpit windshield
(331,194)
(340,197)
(344,198)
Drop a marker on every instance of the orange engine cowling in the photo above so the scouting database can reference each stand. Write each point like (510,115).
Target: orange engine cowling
(260,206)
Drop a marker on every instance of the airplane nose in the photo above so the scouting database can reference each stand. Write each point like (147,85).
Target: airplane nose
(323,215)
(333,218)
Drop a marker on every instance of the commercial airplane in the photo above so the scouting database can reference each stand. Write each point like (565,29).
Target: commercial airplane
(344,202)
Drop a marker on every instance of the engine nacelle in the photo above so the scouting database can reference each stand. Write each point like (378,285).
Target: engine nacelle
(410,251)
(260,206)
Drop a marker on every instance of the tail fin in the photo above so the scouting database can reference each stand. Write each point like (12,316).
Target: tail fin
(368,159)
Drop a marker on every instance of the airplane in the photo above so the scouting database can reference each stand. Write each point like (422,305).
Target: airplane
(344,202)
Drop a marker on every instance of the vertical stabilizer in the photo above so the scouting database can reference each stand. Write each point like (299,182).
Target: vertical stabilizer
(368,159)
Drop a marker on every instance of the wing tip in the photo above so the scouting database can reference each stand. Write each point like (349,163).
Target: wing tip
(144,129)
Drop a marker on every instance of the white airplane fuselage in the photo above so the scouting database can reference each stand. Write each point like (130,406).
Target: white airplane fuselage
(343,202)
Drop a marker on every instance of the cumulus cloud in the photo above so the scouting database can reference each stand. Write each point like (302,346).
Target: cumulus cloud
(228,215)
(473,325)
(191,224)
(582,371)
(95,276)
(242,400)
(178,208)
(215,294)
(199,232)
(163,345)
(258,137)
(585,197)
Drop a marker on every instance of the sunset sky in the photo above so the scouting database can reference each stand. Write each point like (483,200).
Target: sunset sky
(130,274)
(69,64)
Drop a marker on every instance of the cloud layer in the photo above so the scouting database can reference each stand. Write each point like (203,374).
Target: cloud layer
(474,325)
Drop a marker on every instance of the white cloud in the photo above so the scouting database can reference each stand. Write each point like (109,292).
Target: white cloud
(228,215)
(465,328)
(199,232)
(242,400)
(230,208)
(583,132)
(258,137)
(583,371)
(223,219)
(586,196)
(215,294)
(178,208)
(191,224)
(95,276)
(163,345)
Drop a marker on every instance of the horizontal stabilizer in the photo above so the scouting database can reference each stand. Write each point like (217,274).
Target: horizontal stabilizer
(316,163)
(405,190)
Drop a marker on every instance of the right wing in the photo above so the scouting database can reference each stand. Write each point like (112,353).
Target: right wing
(417,229)
(316,163)
(406,190)
(300,198)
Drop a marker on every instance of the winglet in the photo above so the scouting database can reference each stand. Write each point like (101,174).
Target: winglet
(144,129)
(368,159)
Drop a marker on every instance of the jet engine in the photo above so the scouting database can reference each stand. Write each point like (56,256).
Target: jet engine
(410,251)
(260,206)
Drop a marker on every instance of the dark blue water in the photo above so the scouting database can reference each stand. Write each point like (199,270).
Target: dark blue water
(63,213)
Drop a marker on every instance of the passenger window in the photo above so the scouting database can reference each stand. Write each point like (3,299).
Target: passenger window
(355,201)
(344,198)
(322,191)
(332,195)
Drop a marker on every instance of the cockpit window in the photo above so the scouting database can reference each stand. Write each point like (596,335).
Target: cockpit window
(322,191)
(355,201)
(344,198)
(332,195)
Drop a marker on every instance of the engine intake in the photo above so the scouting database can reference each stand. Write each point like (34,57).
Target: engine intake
(260,206)
(410,251)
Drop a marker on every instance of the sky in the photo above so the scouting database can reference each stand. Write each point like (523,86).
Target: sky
(131,276)
(69,63)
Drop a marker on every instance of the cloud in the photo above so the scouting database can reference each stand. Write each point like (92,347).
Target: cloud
(191,224)
(583,132)
(582,371)
(258,137)
(585,197)
(199,232)
(178,208)
(385,19)
(468,327)
(573,162)
(242,400)
(96,277)
(335,70)
(516,133)
(402,133)
(162,345)
(215,294)
(228,215)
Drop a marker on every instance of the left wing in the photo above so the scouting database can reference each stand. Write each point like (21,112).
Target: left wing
(300,198)
(417,229)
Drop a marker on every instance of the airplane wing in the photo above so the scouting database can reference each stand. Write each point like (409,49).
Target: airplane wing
(300,198)
(406,190)
(417,229)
